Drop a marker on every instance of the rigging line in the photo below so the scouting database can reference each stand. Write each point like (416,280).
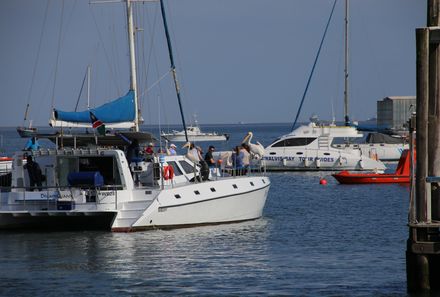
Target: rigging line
(183,88)
(173,67)
(82,87)
(147,59)
(112,74)
(314,64)
(58,52)
(152,53)
(36,62)
(156,82)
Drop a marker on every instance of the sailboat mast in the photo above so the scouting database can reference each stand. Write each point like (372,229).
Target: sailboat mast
(173,67)
(133,85)
(346,117)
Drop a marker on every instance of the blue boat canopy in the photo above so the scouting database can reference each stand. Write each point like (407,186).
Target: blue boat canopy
(117,111)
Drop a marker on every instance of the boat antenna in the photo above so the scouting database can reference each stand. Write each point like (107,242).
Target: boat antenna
(346,117)
(173,67)
(314,64)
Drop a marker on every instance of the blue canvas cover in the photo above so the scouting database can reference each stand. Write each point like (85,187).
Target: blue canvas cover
(117,111)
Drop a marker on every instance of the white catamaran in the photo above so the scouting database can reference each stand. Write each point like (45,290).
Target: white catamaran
(89,186)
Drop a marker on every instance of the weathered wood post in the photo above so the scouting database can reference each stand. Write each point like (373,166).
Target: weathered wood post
(434,106)
(423,246)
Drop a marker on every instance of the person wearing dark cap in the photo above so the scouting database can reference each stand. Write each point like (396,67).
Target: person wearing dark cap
(209,158)
(34,172)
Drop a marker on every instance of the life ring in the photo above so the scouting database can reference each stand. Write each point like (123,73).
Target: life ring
(168,172)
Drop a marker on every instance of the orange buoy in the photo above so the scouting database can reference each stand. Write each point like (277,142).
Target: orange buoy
(322,181)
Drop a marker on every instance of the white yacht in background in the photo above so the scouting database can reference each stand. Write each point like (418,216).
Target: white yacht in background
(382,147)
(318,147)
(194,134)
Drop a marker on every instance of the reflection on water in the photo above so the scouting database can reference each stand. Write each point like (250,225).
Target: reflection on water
(212,257)
(313,240)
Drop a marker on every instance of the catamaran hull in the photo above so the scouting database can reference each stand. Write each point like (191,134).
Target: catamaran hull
(214,202)
(56,220)
(246,202)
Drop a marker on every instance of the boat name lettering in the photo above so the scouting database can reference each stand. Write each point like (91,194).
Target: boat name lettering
(301,159)
(107,194)
(56,196)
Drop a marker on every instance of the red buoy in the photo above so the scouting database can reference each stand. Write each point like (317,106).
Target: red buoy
(323,181)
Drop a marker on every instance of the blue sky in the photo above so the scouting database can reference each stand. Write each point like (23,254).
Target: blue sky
(238,61)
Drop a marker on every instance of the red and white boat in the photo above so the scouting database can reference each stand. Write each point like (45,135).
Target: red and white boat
(5,165)
(401,175)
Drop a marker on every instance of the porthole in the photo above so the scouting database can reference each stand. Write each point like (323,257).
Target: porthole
(212,189)
(196,192)
(252,184)
(234,186)
(177,196)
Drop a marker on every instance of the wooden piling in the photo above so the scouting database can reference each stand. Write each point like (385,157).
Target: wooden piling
(423,245)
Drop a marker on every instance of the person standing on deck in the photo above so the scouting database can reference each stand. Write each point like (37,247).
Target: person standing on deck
(34,172)
(32,144)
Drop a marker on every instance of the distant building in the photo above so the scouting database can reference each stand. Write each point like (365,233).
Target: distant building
(393,112)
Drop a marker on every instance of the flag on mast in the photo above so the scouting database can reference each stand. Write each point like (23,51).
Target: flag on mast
(97,124)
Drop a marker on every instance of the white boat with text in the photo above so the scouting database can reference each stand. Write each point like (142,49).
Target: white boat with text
(99,189)
(318,147)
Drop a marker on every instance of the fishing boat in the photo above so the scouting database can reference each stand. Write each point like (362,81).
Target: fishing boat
(194,133)
(318,146)
(97,187)
(401,175)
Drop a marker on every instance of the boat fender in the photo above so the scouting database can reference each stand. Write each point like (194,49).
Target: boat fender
(284,162)
(373,156)
(168,172)
(318,162)
(306,162)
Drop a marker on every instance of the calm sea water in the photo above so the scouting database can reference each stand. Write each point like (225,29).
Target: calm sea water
(313,240)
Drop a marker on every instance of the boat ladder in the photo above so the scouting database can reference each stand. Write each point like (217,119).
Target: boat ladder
(323,142)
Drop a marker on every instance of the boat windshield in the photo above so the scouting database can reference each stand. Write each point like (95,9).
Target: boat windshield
(300,141)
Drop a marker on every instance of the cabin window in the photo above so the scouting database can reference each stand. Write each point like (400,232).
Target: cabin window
(263,181)
(326,154)
(176,168)
(196,192)
(212,189)
(234,186)
(105,165)
(177,196)
(300,141)
(187,167)
(252,184)
(299,153)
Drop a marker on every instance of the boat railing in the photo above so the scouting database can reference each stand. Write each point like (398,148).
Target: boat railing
(257,167)
(65,197)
